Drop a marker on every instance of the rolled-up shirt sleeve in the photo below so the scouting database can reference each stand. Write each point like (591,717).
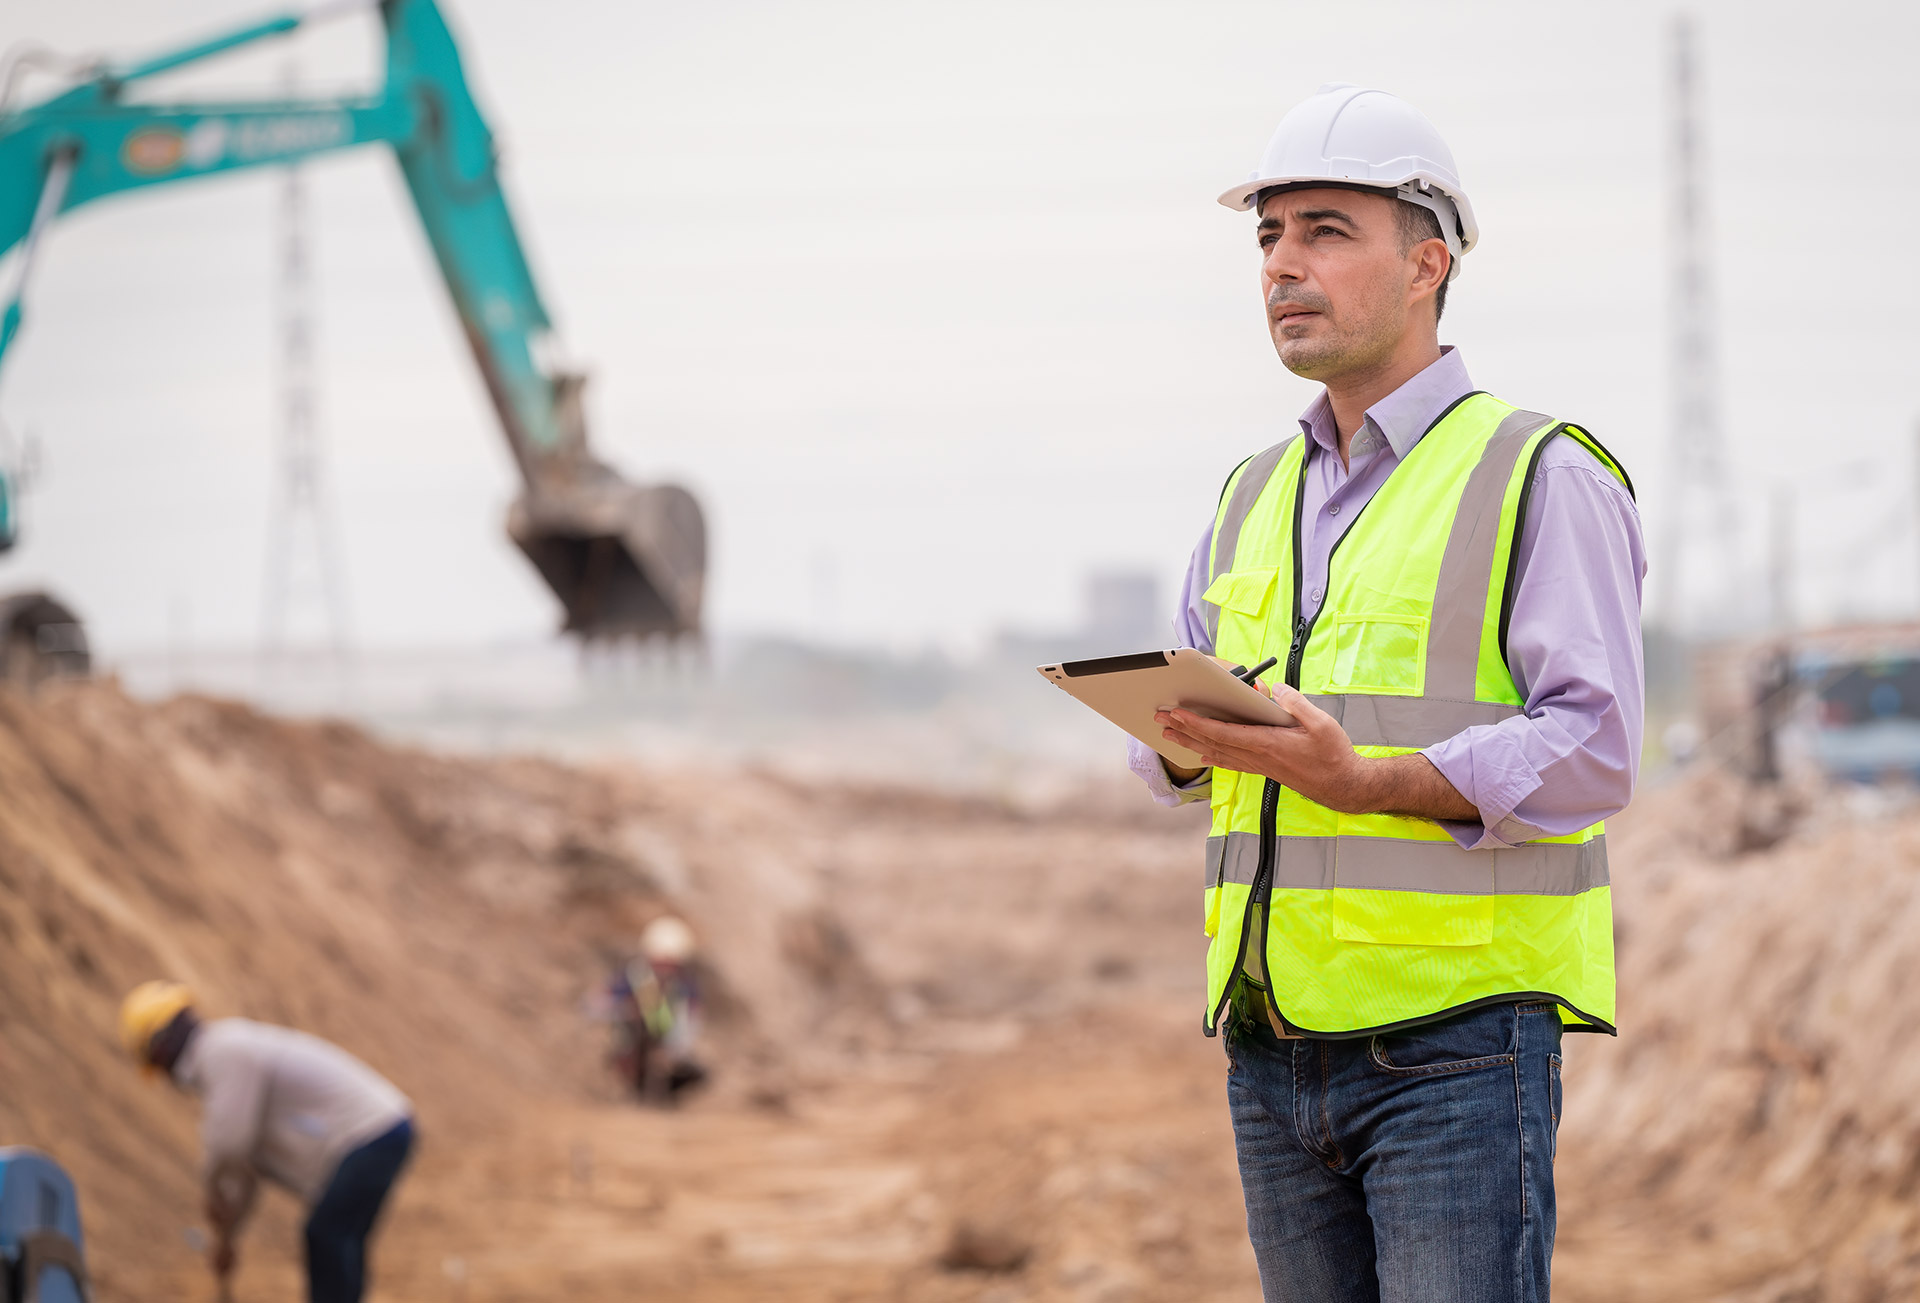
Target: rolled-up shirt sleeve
(1573,647)
(1189,630)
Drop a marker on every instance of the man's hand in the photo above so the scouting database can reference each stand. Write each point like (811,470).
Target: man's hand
(229,1194)
(220,1210)
(1316,759)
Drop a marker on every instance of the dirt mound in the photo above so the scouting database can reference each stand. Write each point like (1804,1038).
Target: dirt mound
(1753,1134)
(957,1037)
(443,918)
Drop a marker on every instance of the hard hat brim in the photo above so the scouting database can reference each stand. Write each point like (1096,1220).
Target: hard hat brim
(1241,197)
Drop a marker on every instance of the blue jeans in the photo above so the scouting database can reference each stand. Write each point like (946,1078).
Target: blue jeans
(1409,1168)
(338,1226)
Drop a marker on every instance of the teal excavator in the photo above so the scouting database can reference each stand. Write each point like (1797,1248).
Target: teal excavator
(623,559)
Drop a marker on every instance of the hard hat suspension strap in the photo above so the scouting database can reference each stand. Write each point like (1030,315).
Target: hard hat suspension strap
(1437,203)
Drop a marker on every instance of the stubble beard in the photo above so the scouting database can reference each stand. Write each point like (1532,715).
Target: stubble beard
(1311,359)
(1337,348)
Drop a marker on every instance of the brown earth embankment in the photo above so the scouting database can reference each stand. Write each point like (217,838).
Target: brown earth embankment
(956,1037)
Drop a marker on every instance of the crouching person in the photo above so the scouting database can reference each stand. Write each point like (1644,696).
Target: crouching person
(287,1107)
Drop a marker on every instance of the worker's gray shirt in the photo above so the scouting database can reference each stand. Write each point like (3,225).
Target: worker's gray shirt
(286,1105)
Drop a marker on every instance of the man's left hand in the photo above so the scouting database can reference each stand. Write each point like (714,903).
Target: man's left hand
(1314,757)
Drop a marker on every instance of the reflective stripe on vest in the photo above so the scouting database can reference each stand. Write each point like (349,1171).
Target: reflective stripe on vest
(1391,864)
(1373,921)
(1376,721)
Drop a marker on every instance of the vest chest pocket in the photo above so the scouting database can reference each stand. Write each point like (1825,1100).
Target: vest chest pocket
(1379,653)
(1244,592)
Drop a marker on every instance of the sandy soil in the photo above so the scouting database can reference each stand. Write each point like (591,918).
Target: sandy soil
(956,1040)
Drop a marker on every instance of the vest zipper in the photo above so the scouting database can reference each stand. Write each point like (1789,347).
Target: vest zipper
(1256,899)
(1269,848)
(1262,884)
(1296,650)
(1262,889)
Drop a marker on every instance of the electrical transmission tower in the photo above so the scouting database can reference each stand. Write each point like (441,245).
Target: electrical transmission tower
(303,564)
(1704,571)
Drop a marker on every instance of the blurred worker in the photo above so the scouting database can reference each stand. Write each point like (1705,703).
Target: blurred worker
(1407,890)
(655,999)
(285,1106)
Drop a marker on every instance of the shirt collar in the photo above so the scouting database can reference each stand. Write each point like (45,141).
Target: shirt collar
(1404,415)
(186,1064)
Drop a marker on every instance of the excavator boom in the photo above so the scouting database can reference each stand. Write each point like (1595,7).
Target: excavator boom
(623,559)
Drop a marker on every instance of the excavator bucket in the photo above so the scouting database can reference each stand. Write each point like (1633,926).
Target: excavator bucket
(625,560)
(40,638)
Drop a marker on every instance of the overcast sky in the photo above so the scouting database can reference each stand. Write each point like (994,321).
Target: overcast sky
(931,305)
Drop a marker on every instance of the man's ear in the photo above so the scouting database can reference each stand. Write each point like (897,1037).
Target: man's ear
(1430,265)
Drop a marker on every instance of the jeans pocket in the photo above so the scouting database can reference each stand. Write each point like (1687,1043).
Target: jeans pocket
(1553,1103)
(1482,1039)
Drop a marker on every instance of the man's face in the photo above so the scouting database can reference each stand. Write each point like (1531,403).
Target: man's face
(1335,279)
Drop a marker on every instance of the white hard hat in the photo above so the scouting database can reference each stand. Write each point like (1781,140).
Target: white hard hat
(1351,136)
(668,940)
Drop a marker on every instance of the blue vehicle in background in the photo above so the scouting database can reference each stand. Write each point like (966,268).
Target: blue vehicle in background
(1842,703)
(1866,720)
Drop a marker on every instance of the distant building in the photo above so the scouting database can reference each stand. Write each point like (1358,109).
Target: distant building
(1121,612)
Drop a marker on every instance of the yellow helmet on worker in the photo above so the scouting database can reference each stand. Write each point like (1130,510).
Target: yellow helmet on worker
(148,1010)
(667,940)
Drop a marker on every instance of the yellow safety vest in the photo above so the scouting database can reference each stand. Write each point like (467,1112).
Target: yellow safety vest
(1372,922)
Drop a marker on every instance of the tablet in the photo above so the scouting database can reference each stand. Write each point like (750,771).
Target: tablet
(1129,689)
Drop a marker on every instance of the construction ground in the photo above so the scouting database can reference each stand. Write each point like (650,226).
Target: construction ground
(956,1039)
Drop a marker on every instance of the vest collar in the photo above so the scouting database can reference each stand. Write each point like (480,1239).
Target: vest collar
(1404,415)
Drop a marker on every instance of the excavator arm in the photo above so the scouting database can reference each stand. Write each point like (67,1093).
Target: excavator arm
(623,559)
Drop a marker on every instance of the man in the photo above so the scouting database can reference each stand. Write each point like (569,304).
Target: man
(1407,891)
(655,1008)
(286,1106)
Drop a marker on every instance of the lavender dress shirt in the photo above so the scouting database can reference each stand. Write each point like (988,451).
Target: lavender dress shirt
(1573,644)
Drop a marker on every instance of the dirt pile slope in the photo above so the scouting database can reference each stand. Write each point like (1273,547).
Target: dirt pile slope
(442,918)
(1755,1132)
(957,1037)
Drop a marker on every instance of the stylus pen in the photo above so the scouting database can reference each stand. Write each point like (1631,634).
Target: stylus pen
(1248,676)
